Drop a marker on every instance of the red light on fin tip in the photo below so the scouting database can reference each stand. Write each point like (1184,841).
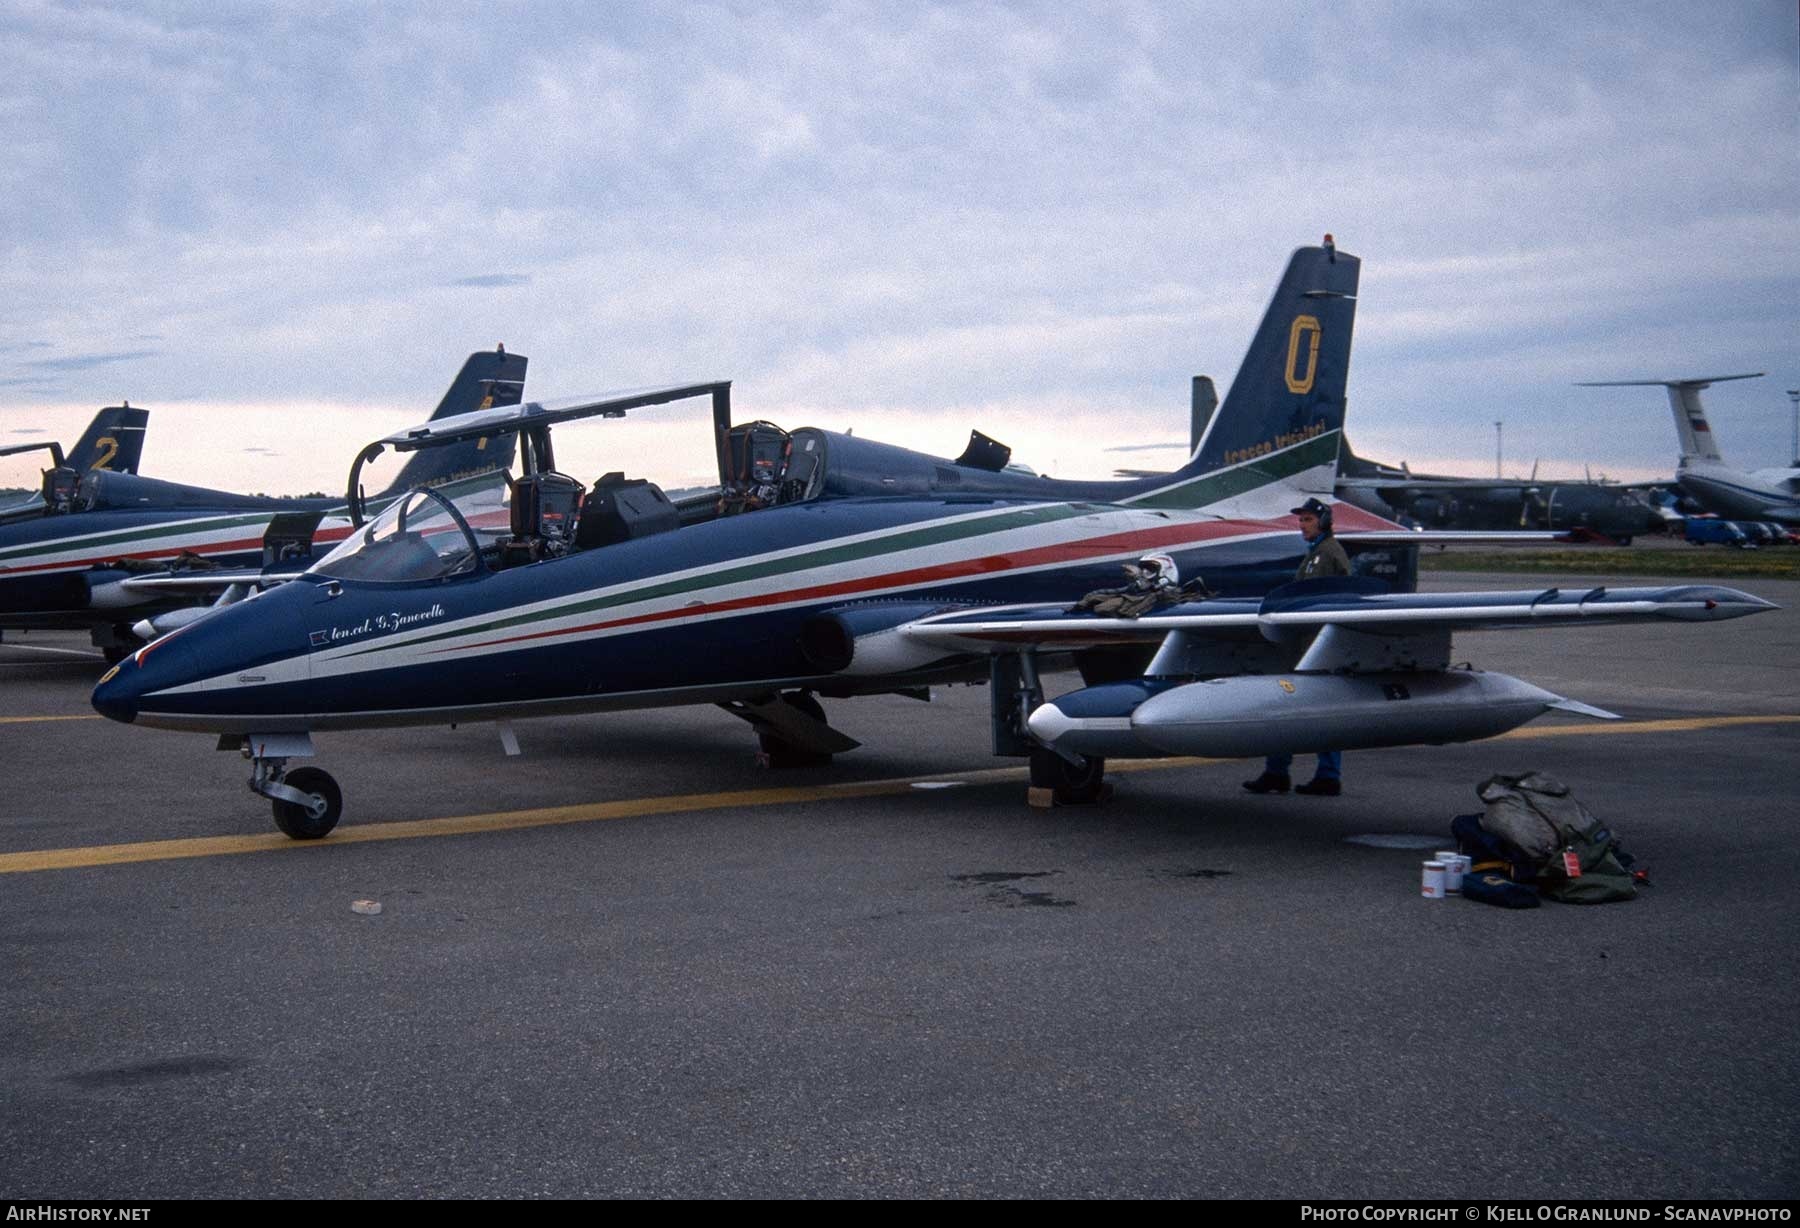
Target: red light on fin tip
(1330,242)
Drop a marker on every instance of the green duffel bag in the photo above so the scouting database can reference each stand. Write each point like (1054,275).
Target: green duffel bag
(1537,814)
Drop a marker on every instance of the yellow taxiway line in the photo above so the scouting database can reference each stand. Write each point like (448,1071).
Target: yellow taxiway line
(32,720)
(687,803)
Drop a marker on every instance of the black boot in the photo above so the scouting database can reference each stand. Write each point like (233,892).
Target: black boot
(1269,782)
(1321,786)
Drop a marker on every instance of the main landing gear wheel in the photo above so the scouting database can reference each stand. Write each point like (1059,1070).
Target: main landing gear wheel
(312,821)
(1072,784)
(779,753)
(115,642)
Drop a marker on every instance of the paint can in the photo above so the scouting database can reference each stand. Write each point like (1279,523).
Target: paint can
(1455,866)
(1432,887)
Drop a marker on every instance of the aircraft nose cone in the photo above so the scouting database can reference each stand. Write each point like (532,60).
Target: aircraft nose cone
(116,696)
(123,690)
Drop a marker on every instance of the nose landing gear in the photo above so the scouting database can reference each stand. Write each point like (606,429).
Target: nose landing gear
(307,801)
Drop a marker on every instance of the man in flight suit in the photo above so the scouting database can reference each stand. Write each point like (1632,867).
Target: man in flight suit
(1324,557)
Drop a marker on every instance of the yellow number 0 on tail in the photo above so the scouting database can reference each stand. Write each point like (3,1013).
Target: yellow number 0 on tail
(1308,327)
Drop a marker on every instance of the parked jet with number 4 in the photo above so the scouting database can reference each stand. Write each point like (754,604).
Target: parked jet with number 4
(826,564)
(87,554)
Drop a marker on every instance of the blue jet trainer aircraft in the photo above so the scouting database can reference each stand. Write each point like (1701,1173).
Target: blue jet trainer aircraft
(114,440)
(85,556)
(831,565)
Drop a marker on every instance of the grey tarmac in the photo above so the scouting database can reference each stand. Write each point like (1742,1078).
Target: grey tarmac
(1188,991)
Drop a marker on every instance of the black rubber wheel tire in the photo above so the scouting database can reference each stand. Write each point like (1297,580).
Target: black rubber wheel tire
(1072,784)
(293,820)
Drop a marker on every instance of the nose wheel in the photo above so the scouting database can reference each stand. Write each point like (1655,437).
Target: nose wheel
(318,814)
(307,801)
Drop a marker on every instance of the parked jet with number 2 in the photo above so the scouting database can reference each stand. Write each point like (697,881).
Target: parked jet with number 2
(832,565)
(113,440)
(80,558)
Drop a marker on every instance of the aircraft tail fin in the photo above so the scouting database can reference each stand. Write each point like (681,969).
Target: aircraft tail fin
(1277,432)
(1203,404)
(488,378)
(1697,442)
(113,441)
(1292,385)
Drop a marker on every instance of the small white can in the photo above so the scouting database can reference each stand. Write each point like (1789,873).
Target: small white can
(1455,866)
(1432,887)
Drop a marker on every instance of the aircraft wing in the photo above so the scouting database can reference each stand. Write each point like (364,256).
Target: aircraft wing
(1409,483)
(1307,606)
(1471,537)
(206,581)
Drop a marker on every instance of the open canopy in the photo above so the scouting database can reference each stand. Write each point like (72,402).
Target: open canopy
(503,419)
(532,421)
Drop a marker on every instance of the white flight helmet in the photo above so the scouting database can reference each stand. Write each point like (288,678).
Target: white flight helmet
(1161,568)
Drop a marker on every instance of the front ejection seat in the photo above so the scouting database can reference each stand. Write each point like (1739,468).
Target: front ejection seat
(544,507)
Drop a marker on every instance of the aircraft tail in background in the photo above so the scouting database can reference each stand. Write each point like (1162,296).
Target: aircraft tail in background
(487,379)
(113,441)
(1697,442)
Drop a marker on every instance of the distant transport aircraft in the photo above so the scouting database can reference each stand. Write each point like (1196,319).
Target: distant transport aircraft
(832,565)
(82,557)
(1437,501)
(113,441)
(1703,475)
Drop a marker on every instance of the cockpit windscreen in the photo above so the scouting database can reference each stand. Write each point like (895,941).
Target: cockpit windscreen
(419,537)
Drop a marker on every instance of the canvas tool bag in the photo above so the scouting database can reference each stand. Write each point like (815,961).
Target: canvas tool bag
(1574,857)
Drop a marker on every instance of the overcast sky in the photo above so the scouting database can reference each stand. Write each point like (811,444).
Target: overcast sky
(282,226)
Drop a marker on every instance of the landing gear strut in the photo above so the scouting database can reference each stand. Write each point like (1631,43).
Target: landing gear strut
(307,801)
(115,641)
(1076,782)
(1016,691)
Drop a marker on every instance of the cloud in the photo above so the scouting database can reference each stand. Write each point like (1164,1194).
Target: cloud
(84,362)
(939,209)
